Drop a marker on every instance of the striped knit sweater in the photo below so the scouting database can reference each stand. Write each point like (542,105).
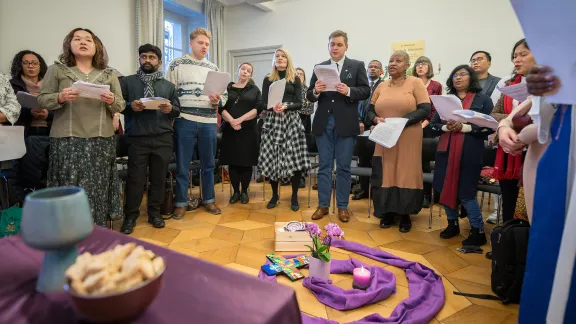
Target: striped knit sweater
(188,75)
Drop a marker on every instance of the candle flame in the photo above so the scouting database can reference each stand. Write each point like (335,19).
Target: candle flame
(362,270)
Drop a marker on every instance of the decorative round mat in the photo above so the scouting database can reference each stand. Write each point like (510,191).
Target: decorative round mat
(426,291)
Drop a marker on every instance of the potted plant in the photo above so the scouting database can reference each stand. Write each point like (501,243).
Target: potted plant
(320,250)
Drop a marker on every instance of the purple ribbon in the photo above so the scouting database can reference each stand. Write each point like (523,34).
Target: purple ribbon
(426,289)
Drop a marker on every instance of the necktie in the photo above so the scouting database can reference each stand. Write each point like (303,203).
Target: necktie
(338,67)
(371,84)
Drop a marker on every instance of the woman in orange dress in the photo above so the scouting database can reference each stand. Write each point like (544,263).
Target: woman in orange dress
(397,171)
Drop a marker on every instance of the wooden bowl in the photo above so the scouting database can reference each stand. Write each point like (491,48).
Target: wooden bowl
(121,307)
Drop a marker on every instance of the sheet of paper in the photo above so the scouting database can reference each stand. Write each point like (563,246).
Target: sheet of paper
(11,143)
(517,91)
(154,102)
(445,106)
(26,100)
(552,42)
(476,118)
(329,75)
(216,83)
(276,93)
(387,133)
(366,133)
(90,90)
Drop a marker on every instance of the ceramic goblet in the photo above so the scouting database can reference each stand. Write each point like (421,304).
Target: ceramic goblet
(55,220)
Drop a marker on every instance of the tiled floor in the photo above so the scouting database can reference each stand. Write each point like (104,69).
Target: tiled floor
(241,237)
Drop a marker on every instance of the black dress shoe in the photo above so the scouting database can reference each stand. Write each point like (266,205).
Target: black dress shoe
(360,195)
(388,220)
(272,203)
(426,202)
(315,187)
(156,221)
(128,226)
(235,197)
(489,255)
(405,224)
(244,198)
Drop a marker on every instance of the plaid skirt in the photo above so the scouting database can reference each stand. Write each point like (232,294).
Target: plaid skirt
(283,148)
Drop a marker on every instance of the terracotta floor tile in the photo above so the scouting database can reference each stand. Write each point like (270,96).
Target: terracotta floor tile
(411,247)
(227,234)
(473,274)
(475,288)
(220,256)
(195,231)
(475,314)
(445,261)
(245,225)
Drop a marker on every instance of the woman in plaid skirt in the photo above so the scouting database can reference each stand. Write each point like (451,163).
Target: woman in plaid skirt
(283,150)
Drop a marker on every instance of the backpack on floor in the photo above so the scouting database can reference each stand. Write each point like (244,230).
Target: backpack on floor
(509,249)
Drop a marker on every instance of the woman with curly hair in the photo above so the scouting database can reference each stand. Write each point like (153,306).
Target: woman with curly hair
(82,145)
(27,71)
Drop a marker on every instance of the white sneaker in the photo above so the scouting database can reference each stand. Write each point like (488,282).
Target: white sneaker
(493,218)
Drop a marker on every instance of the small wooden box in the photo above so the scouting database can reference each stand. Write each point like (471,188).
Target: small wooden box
(290,241)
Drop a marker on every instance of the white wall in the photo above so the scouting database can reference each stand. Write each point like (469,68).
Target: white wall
(41,25)
(452,29)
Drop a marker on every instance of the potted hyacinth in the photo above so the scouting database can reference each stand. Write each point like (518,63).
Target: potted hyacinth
(320,250)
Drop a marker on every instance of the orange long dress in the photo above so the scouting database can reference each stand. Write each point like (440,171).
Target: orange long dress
(397,171)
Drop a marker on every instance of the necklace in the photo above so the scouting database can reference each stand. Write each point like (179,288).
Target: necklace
(391,83)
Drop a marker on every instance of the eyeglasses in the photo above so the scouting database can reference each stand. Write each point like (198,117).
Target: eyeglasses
(477,60)
(462,75)
(421,64)
(33,63)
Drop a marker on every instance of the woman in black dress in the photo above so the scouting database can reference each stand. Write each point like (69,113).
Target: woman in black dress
(283,148)
(239,148)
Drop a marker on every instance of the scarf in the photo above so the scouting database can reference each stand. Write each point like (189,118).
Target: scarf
(449,195)
(31,87)
(148,80)
(508,167)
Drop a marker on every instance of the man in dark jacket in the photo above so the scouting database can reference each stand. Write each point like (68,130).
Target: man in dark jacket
(150,135)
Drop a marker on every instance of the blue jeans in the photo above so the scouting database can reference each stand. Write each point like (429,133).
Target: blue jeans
(186,133)
(332,146)
(472,208)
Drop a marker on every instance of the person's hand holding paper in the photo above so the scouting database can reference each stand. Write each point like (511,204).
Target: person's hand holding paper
(329,76)
(67,94)
(276,94)
(108,97)
(215,85)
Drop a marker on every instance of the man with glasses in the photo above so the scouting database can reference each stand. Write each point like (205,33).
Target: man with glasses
(150,134)
(481,61)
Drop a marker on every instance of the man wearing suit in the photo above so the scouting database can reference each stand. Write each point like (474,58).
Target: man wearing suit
(364,147)
(336,124)
(481,61)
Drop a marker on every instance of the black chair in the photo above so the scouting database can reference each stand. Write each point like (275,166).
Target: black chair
(362,172)
(489,159)
(429,146)
(312,153)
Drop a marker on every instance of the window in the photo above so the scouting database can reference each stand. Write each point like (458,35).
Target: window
(179,21)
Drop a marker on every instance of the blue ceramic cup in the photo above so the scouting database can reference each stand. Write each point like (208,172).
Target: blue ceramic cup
(55,220)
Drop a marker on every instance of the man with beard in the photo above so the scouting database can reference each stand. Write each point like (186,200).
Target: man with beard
(150,135)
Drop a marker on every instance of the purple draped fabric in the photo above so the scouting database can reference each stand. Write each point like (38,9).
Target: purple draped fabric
(425,287)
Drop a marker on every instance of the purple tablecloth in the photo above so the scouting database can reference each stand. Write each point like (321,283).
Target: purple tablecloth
(194,291)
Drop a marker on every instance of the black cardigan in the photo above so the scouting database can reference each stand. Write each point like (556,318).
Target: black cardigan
(26,118)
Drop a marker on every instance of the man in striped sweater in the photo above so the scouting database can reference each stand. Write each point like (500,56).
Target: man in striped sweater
(197,121)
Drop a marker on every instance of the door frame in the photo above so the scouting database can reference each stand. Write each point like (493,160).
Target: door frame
(248,51)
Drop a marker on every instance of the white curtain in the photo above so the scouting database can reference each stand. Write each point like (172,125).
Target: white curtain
(214,12)
(150,22)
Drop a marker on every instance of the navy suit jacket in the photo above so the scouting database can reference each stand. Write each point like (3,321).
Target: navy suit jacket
(344,108)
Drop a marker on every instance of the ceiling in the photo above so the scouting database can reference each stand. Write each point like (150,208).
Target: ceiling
(266,5)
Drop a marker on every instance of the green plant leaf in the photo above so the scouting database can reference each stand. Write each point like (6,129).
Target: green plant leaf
(324,256)
(322,248)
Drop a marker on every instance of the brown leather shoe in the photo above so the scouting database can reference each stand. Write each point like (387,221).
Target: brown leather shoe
(320,213)
(212,209)
(179,212)
(343,215)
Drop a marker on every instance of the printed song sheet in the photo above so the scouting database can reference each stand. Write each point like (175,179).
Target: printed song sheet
(387,133)
(329,75)
(90,90)
(276,93)
(26,100)
(11,143)
(154,102)
(216,83)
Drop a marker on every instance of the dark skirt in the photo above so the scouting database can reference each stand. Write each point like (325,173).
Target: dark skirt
(89,163)
(239,147)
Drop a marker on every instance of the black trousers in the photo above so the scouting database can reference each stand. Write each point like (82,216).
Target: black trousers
(147,152)
(365,151)
(509,190)
(307,122)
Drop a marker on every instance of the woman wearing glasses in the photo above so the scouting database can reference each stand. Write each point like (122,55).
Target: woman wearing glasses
(424,70)
(28,70)
(459,156)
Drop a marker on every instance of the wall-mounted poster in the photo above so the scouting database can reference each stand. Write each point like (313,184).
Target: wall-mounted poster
(415,49)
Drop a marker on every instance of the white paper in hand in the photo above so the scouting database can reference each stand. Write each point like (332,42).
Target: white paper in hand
(329,75)
(26,100)
(276,93)
(154,102)
(216,83)
(388,133)
(516,91)
(476,118)
(552,43)
(90,90)
(11,143)
(445,106)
